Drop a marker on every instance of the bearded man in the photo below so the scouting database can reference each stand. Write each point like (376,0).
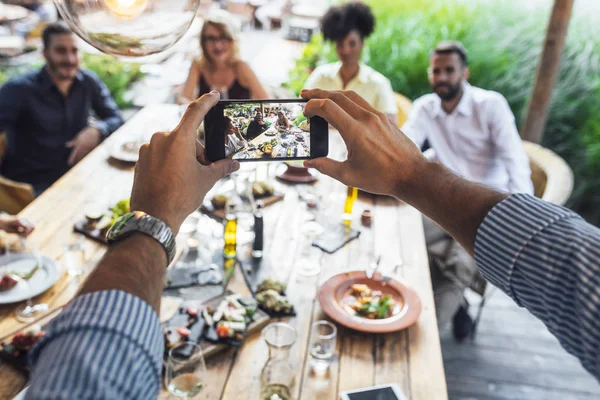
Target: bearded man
(55,116)
(472,131)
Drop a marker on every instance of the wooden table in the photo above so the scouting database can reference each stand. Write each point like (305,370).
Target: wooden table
(411,358)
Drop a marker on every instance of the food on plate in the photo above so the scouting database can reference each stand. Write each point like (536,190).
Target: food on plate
(184,326)
(98,219)
(94,214)
(10,280)
(365,302)
(272,300)
(23,341)
(267,149)
(272,284)
(262,189)
(12,241)
(219,201)
(304,125)
(132,147)
(231,317)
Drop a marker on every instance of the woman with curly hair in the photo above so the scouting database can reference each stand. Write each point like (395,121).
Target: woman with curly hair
(348,26)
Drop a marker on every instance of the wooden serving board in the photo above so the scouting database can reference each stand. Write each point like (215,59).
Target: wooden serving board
(219,213)
(261,321)
(94,234)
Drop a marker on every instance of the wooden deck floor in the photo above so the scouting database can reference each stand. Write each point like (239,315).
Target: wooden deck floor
(513,357)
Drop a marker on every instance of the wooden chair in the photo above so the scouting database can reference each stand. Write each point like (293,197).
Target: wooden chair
(552,181)
(404,106)
(14,196)
(242,11)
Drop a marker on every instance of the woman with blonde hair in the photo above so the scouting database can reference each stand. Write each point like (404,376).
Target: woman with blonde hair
(219,66)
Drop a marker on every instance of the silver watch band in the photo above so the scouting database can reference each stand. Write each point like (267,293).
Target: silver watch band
(138,221)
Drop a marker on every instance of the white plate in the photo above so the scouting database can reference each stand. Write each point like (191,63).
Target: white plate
(119,154)
(42,280)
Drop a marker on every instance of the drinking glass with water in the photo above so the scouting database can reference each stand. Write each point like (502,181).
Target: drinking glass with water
(322,346)
(186,370)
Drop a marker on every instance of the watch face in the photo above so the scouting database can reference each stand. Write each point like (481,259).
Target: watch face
(117,228)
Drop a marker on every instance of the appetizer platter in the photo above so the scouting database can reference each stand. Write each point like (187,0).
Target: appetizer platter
(271,298)
(16,348)
(97,222)
(377,305)
(220,322)
(262,192)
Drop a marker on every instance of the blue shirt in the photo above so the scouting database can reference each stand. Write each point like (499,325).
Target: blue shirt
(108,345)
(547,259)
(104,345)
(39,121)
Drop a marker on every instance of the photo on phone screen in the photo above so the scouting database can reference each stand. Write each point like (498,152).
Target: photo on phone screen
(262,130)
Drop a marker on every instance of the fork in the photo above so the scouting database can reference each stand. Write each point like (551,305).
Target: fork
(373,267)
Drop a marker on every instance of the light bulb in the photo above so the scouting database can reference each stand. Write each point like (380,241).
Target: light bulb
(127,8)
(132,28)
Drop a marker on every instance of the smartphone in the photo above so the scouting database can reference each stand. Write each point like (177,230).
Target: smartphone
(264,130)
(383,392)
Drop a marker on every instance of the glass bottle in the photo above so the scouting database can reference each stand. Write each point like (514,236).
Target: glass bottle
(257,246)
(277,376)
(351,196)
(230,233)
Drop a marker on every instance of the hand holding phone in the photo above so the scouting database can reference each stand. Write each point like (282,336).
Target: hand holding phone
(264,130)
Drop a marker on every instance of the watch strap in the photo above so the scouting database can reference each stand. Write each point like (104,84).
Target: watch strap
(139,221)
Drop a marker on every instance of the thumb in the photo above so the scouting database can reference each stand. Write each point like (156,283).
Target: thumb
(224,167)
(327,166)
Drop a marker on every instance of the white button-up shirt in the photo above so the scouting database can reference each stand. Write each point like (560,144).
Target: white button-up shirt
(372,86)
(478,140)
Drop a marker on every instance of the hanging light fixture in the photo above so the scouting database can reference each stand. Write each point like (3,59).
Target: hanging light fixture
(131,28)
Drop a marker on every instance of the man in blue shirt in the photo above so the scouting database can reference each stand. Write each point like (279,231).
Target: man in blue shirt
(107,344)
(55,116)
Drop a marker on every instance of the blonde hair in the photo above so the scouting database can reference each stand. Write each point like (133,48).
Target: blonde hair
(225,24)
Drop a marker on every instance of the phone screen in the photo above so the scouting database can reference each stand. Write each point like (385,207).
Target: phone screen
(262,130)
(375,394)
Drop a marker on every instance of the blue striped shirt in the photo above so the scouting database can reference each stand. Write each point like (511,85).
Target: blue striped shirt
(104,345)
(547,259)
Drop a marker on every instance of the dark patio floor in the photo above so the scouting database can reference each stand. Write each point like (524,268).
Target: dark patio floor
(513,357)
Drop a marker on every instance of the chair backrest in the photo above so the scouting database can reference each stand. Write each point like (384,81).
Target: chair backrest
(552,177)
(240,8)
(404,106)
(14,196)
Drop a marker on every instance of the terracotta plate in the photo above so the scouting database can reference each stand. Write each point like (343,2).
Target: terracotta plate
(332,292)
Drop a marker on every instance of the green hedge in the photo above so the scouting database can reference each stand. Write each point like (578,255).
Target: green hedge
(504,45)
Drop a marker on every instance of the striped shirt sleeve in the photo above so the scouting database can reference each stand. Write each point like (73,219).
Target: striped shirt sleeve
(547,259)
(104,345)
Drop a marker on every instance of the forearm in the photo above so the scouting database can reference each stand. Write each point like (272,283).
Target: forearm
(110,124)
(457,205)
(135,265)
(545,258)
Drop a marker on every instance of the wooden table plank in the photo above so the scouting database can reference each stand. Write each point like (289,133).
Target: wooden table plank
(426,368)
(411,358)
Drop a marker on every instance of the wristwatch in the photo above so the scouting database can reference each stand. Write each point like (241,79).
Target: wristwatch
(138,221)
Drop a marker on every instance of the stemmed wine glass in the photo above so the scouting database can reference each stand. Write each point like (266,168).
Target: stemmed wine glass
(30,311)
(186,370)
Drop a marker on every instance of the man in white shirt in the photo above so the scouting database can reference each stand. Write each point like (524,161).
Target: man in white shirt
(472,131)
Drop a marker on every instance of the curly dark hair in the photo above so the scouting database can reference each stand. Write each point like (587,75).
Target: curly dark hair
(340,20)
